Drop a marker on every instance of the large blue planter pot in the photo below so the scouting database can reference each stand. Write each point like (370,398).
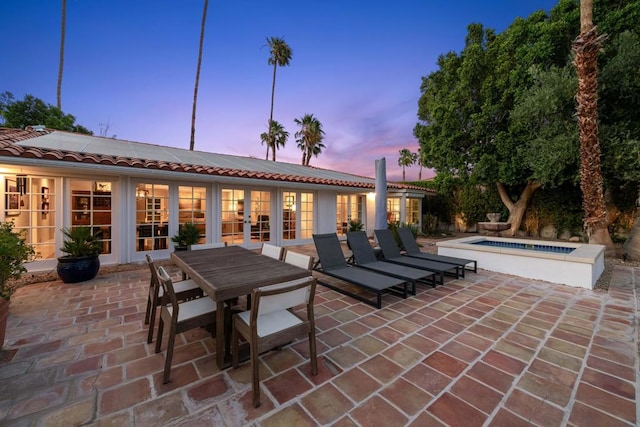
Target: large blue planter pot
(74,270)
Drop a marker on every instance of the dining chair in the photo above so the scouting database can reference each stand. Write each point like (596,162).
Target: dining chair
(298,259)
(270,324)
(185,290)
(273,251)
(211,245)
(180,318)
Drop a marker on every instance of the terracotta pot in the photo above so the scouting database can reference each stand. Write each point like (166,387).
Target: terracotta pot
(4,314)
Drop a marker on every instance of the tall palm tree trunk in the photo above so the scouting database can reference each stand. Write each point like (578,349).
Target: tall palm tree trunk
(195,89)
(61,62)
(273,93)
(586,48)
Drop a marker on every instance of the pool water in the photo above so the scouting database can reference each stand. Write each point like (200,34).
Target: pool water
(527,246)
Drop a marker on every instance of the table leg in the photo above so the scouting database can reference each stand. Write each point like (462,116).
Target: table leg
(220,335)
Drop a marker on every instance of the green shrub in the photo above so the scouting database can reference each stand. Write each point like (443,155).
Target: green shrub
(14,252)
(80,242)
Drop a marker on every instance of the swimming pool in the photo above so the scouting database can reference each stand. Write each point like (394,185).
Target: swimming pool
(574,264)
(526,246)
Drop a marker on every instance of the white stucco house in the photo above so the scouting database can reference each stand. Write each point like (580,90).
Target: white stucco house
(136,195)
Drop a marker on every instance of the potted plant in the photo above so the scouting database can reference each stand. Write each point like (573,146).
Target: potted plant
(188,234)
(355,225)
(14,252)
(81,261)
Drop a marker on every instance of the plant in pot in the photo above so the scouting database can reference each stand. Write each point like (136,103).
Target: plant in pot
(14,252)
(81,261)
(188,234)
(355,225)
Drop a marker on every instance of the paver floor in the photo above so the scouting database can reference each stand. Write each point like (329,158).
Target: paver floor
(487,350)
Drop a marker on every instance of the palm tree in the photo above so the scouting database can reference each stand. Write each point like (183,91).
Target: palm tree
(279,55)
(407,158)
(61,62)
(586,47)
(195,89)
(278,135)
(309,137)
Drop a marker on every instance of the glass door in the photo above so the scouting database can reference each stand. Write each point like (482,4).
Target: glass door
(260,217)
(246,217)
(349,207)
(232,222)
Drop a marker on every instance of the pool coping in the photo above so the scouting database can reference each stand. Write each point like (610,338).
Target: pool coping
(582,267)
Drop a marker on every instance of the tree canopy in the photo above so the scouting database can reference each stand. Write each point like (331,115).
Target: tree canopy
(309,137)
(33,111)
(502,111)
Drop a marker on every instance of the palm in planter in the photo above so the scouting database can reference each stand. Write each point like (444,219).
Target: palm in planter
(81,261)
(188,234)
(14,252)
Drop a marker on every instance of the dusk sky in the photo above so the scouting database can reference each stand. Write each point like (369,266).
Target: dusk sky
(356,66)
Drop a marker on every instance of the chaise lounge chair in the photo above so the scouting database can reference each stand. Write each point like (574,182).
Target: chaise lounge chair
(333,264)
(392,253)
(413,250)
(366,258)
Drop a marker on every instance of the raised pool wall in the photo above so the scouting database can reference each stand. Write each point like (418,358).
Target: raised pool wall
(581,268)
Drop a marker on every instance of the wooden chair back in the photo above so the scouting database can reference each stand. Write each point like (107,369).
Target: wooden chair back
(298,259)
(273,251)
(281,296)
(180,317)
(167,286)
(271,324)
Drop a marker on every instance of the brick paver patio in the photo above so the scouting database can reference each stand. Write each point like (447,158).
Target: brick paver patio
(491,349)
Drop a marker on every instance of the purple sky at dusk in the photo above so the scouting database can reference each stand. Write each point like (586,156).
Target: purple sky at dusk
(357,66)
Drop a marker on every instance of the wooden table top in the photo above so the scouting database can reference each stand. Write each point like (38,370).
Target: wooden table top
(233,271)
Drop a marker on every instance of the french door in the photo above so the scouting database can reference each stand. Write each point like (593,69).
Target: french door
(245,217)
(349,207)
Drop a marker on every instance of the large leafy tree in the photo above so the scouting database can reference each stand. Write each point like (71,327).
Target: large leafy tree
(33,111)
(195,88)
(309,137)
(279,56)
(421,160)
(406,159)
(63,29)
(501,111)
(619,103)
(275,137)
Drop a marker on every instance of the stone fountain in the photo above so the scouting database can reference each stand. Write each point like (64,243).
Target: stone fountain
(494,227)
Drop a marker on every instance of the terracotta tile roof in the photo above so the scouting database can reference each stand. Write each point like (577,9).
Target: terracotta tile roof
(12,144)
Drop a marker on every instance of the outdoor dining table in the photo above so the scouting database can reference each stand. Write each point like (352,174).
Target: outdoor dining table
(231,272)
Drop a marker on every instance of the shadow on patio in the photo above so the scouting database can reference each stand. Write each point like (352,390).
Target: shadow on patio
(489,349)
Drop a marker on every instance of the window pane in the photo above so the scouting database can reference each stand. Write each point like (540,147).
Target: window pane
(30,204)
(192,207)
(91,204)
(152,216)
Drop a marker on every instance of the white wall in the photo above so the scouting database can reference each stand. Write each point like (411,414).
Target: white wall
(327,212)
